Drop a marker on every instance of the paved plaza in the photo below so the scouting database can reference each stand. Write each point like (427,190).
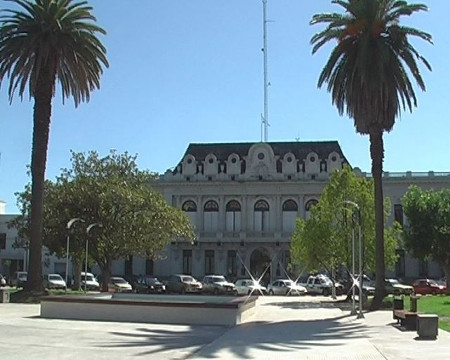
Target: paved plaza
(282,328)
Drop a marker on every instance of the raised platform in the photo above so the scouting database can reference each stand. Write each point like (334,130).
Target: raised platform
(164,309)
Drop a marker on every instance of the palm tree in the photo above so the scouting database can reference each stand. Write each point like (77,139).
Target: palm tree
(44,42)
(367,76)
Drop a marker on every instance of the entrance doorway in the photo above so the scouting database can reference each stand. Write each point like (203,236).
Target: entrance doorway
(259,261)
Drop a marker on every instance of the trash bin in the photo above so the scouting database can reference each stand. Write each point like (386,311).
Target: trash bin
(4,295)
(398,303)
(413,303)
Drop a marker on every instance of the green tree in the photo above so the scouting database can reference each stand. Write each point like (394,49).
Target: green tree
(427,232)
(113,192)
(367,75)
(324,239)
(46,42)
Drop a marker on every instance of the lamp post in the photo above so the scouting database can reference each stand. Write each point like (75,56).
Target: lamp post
(68,227)
(358,212)
(88,229)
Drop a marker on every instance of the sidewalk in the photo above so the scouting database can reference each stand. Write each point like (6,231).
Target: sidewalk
(282,328)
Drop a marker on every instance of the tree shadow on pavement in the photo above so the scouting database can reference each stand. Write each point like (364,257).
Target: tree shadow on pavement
(276,337)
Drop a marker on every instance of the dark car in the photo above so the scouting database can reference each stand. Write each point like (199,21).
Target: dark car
(428,286)
(183,284)
(149,285)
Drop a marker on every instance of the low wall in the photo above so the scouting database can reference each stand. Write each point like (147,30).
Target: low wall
(168,309)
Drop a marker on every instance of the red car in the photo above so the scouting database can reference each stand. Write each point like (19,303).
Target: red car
(428,286)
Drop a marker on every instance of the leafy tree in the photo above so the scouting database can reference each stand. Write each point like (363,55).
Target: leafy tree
(113,192)
(324,239)
(427,233)
(367,76)
(48,41)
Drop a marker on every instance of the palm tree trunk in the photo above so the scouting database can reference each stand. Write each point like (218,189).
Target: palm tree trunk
(41,127)
(377,155)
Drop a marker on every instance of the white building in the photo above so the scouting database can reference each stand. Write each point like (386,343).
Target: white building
(243,199)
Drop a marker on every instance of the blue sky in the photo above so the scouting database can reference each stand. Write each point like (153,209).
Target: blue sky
(185,71)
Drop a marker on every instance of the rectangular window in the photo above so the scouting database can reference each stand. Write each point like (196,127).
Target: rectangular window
(210,221)
(2,241)
(231,263)
(400,264)
(187,262)
(261,220)
(233,221)
(398,213)
(209,262)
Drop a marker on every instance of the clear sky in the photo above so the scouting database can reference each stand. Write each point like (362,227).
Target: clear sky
(185,71)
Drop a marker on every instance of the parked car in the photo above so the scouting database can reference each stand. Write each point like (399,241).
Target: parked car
(90,281)
(285,287)
(393,286)
(428,286)
(183,284)
(367,286)
(249,286)
(322,284)
(149,285)
(119,285)
(54,281)
(217,284)
(2,281)
(19,279)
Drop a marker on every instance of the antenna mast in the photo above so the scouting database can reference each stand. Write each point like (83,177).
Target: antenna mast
(265,116)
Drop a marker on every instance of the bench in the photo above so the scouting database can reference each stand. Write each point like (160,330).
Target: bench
(408,319)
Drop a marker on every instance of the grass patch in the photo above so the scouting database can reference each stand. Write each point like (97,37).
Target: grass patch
(436,304)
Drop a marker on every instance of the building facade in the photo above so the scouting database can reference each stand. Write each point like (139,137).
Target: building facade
(243,200)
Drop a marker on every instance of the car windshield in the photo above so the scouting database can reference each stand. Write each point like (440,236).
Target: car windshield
(54,277)
(187,279)
(289,283)
(217,278)
(87,278)
(118,280)
(394,282)
(432,282)
(151,280)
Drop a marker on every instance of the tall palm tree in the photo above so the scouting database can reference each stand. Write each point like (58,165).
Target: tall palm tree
(367,76)
(44,42)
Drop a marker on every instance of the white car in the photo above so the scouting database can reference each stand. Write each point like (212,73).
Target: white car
(285,287)
(119,285)
(249,286)
(90,281)
(54,281)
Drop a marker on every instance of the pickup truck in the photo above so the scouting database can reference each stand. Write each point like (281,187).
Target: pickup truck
(322,285)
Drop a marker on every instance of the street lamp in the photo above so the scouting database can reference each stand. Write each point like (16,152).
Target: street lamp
(360,315)
(88,229)
(69,225)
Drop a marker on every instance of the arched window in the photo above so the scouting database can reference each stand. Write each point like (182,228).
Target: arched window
(261,205)
(261,215)
(290,211)
(233,214)
(189,206)
(308,206)
(310,203)
(233,205)
(211,206)
(290,205)
(210,216)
